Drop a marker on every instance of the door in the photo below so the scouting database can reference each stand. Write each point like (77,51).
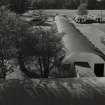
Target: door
(99,70)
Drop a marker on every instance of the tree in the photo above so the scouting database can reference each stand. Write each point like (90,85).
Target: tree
(19,40)
(19,6)
(82,9)
(12,31)
(7,24)
(4,2)
(44,46)
(92,4)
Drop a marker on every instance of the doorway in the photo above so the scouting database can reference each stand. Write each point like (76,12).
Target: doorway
(99,70)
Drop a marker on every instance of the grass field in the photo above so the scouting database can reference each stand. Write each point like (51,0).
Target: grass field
(72,12)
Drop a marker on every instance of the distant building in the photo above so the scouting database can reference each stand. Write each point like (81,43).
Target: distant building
(80,53)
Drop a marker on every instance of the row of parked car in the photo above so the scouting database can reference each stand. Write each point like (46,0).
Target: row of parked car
(88,19)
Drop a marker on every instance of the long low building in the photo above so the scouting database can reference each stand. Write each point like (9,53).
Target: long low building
(79,50)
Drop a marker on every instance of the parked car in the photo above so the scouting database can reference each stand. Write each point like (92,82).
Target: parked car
(88,19)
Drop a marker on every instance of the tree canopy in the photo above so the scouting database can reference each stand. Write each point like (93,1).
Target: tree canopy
(67,4)
(20,40)
(21,6)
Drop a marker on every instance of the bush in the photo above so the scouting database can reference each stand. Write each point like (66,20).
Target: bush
(19,6)
(82,9)
(43,47)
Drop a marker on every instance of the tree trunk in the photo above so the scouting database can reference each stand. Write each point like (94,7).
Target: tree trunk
(3,68)
(24,69)
(41,68)
(46,66)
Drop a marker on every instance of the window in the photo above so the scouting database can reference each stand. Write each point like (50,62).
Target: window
(83,64)
(99,70)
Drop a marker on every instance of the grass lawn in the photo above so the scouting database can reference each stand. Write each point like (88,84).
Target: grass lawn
(72,12)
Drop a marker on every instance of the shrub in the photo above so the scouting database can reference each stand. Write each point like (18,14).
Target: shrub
(82,9)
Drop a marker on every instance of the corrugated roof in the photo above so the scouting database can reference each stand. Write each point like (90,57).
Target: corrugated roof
(76,44)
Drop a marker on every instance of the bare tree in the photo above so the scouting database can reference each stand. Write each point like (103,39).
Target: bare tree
(45,47)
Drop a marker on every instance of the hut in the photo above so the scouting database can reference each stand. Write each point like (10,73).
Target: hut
(80,53)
